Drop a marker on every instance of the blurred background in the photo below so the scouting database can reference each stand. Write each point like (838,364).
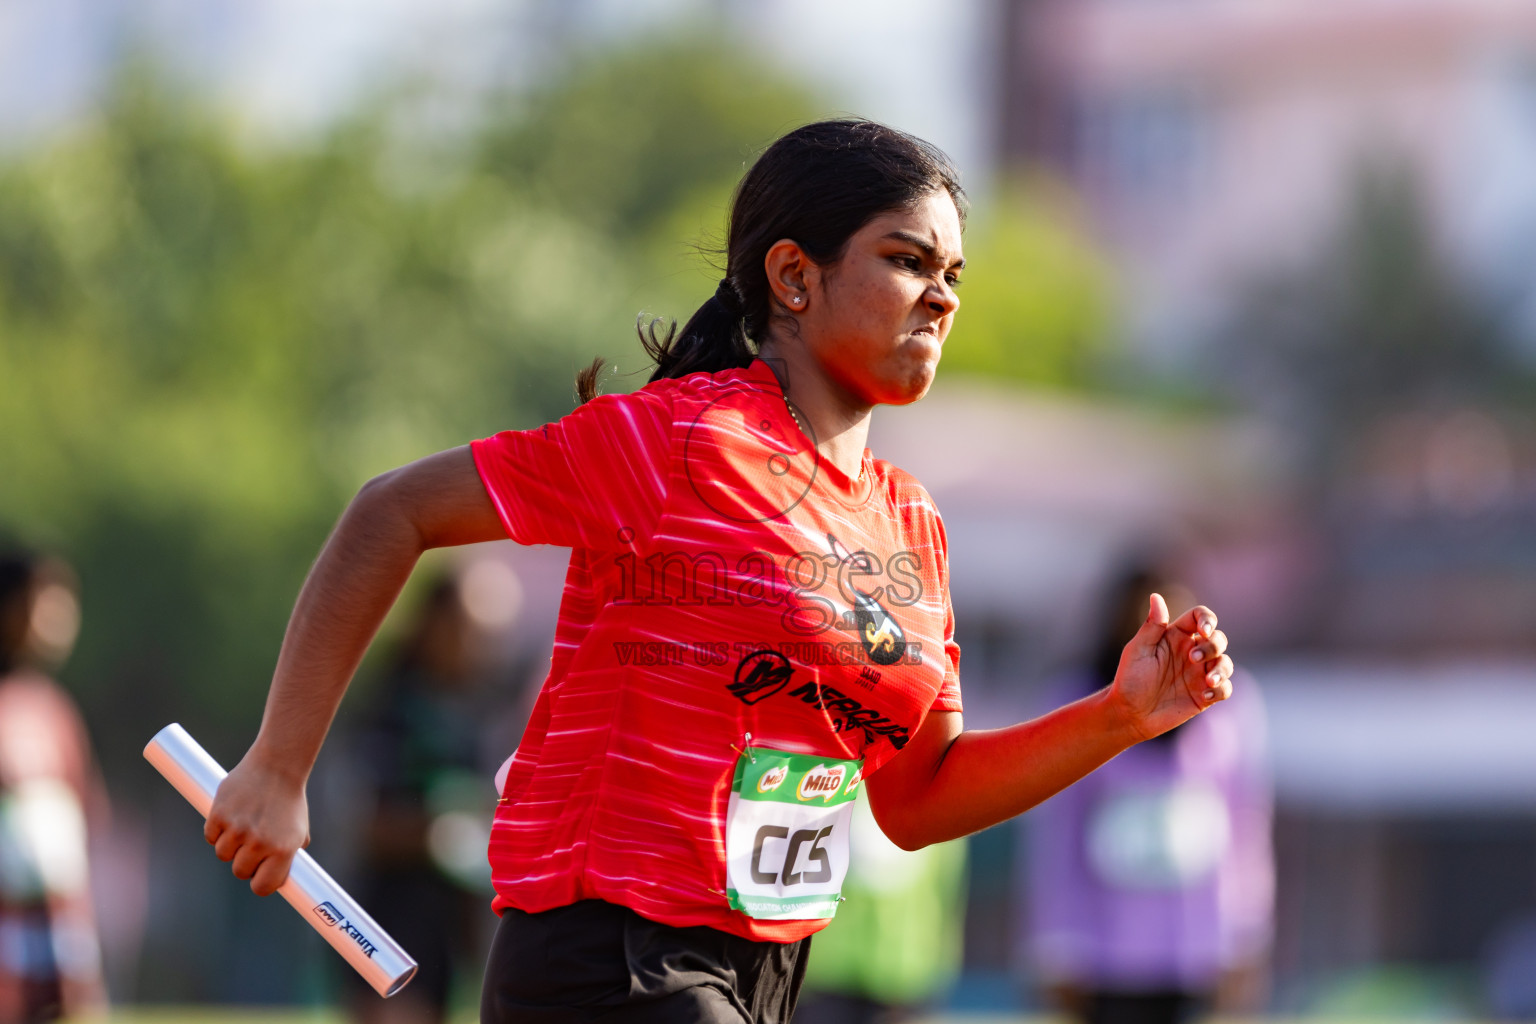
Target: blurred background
(253,252)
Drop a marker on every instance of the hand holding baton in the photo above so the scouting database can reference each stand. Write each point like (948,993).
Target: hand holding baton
(312,892)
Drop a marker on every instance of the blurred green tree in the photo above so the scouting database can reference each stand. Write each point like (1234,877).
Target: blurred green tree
(1374,322)
(205,348)
(644,147)
(1035,295)
(627,138)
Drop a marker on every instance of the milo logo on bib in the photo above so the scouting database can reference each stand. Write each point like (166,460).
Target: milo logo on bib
(772,779)
(822,782)
(787,834)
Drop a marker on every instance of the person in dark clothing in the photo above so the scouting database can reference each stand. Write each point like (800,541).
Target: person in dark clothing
(1151,882)
(420,758)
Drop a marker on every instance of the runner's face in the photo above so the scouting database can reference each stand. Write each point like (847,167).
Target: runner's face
(877,320)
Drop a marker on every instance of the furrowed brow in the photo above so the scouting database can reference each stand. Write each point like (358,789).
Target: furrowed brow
(923,245)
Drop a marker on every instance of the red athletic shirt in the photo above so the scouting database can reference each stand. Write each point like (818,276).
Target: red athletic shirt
(724,581)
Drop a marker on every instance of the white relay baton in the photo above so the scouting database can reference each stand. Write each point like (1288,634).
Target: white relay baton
(313,893)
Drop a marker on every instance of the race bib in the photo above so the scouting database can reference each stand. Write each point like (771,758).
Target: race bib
(786,834)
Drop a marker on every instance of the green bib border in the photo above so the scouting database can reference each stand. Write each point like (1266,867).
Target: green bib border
(785,908)
(759,761)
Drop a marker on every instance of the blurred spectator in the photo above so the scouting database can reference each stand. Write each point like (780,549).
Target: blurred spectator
(50,960)
(1151,882)
(425,878)
(1509,971)
(895,943)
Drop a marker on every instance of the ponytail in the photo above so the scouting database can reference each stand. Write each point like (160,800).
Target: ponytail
(714,339)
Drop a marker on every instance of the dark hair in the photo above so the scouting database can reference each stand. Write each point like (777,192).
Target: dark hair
(21,572)
(816,185)
(444,598)
(15,584)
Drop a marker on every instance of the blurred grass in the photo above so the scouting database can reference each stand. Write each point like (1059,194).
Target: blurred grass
(224,1015)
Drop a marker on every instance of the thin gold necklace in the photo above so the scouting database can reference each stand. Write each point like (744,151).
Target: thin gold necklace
(796,417)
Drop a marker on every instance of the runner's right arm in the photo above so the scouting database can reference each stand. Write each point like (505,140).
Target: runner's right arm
(259,816)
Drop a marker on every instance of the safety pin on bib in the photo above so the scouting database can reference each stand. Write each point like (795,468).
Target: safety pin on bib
(748,752)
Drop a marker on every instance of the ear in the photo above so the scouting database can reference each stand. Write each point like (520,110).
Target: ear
(791,274)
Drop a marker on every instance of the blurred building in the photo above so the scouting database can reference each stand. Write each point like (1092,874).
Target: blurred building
(1215,144)
(1215,138)
(1044,497)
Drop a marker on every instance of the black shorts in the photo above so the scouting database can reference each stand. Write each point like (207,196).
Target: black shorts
(435,918)
(1161,1007)
(595,961)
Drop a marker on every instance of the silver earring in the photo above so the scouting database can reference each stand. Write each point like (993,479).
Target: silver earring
(797,300)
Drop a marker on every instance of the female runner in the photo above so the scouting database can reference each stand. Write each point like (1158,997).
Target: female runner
(756,622)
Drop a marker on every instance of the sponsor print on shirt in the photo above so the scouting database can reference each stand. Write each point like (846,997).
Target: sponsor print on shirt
(787,827)
(884,640)
(702,566)
(764,673)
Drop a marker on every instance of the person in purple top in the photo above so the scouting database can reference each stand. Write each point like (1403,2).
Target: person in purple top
(1150,883)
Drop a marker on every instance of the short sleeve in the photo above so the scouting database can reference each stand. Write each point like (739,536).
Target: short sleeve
(949,693)
(584,479)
